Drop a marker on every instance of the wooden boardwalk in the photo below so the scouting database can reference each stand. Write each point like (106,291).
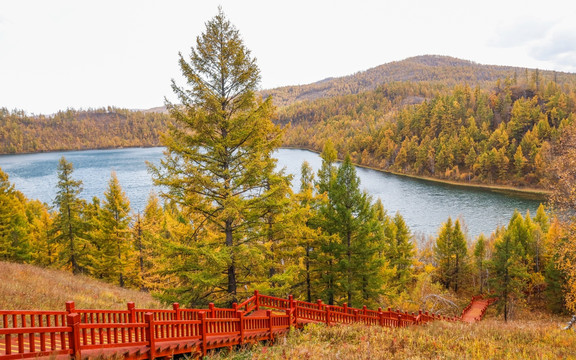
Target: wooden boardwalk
(476,309)
(150,333)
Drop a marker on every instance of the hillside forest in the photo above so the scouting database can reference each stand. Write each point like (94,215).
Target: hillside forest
(227,222)
(492,132)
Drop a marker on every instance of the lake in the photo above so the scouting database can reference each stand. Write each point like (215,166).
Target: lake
(425,205)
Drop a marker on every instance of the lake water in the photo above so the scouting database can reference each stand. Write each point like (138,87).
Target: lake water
(424,205)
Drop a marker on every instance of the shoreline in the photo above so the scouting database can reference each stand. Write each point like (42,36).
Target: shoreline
(529,193)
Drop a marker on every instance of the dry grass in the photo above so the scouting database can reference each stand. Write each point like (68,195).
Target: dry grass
(27,287)
(490,339)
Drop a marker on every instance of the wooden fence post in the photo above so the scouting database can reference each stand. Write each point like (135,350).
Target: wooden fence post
(356,318)
(176,308)
(203,330)
(70,307)
(177,316)
(364,310)
(380,317)
(150,335)
(131,317)
(73,321)
(327,315)
(319,302)
(256,300)
(240,316)
(269,314)
(211,308)
(345,306)
(131,312)
(288,312)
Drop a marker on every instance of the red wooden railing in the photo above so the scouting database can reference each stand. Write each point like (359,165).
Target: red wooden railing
(150,333)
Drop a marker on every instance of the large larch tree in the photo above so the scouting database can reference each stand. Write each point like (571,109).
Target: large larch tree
(218,162)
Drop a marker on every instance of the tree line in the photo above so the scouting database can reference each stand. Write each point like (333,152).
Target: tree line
(499,136)
(79,130)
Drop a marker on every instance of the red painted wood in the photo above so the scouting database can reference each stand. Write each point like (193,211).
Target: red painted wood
(144,334)
(73,321)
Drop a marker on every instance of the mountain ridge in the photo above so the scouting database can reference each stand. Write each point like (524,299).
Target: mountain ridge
(430,68)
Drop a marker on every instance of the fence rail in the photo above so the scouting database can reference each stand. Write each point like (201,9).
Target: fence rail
(150,333)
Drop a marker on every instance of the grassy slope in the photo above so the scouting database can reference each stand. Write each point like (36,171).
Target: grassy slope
(30,287)
(489,339)
(27,287)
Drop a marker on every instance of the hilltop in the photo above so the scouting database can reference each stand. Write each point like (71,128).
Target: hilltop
(444,70)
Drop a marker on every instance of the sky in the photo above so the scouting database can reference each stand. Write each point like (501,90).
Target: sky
(58,54)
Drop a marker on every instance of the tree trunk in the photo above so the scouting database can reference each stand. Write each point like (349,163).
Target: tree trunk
(232,268)
(308,282)
(75,267)
(349,255)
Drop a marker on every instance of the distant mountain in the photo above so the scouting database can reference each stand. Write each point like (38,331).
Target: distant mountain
(446,70)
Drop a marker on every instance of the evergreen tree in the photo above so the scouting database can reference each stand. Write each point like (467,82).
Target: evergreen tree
(350,215)
(44,251)
(399,250)
(14,242)
(150,236)
(451,254)
(554,273)
(509,272)
(480,261)
(309,234)
(329,246)
(218,163)
(116,251)
(69,227)
(277,237)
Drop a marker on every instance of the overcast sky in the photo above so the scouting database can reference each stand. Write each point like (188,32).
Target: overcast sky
(59,54)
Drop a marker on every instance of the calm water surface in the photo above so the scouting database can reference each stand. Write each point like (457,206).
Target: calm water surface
(423,204)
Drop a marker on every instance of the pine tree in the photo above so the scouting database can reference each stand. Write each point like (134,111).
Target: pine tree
(480,261)
(308,235)
(44,251)
(218,163)
(14,227)
(509,272)
(399,250)
(150,236)
(328,248)
(277,236)
(350,216)
(69,227)
(116,250)
(451,254)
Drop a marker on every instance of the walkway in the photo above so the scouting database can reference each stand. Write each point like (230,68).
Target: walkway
(150,333)
(476,309)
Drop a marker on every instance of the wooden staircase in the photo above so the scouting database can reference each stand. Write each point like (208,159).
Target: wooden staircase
(150,333)
(476,309)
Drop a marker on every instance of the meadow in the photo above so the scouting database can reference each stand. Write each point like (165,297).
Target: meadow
(489,339)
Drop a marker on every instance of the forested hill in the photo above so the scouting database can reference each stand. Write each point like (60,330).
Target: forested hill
(429,115)
(442,70)
(79,129)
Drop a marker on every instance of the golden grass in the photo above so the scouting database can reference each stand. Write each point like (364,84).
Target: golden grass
(489,339)
(28,287)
